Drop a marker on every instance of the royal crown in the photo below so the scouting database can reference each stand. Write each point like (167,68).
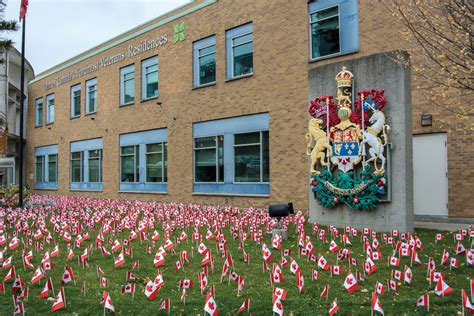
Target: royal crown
(344,78)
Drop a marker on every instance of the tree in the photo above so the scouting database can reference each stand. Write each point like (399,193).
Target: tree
(440,35)
(5,27)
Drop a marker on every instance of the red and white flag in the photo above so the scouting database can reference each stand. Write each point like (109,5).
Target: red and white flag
(128,288)
(444,257)
(393,285)
(210,306)
(325,291)
(47,287)
(423,301)
(453,262)
(10,275)
(407,275)
(120,260)
(185,284)
(278,307)
(151,290)
(23,10)
(350,283)
(334,308)
(393,261)
(379,288)
(376,306)
(336,270)
(323,263)
(19,308)
(442,289)
(245,306)
(465,302)
(68,276)
(279,294)
(166,304)
(59,302)
(38,275)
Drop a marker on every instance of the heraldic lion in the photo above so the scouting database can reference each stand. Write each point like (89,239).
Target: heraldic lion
(318,136)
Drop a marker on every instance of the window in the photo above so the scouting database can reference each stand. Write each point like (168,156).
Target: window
(156,162)
(76,100)
(333,28)
(144,161)
(86,165)
(239,42)
(50,109)
(325,32)
(127,85)
(204,55)
(53,168)
(209,159)
(46,167)
(231,156)
(129,163)
(91,98)
(39,169)
(39,112)
(95,165)
(76,167)
(251,157)
(150,78)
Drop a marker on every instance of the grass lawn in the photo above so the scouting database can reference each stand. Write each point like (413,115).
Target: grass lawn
(257,283)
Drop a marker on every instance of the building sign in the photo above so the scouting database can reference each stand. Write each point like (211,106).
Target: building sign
(106,61)
(347,144)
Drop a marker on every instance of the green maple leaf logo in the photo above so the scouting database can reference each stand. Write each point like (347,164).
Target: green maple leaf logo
(179,32)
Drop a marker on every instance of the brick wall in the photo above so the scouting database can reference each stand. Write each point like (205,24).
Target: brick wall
(278,86)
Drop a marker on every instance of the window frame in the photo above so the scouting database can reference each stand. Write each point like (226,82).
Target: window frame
(147,63)
(123,72)
(311,35)
(50,97)
(136,173)
(37,117)
(163,160)
(197,47)
(89,83)
(230,75)
(89,165)
(56,169)
(75,88)
(81,161)
(216,147)
(260,151)
(42,168)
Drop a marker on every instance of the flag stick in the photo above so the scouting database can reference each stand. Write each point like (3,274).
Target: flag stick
(22,102)
(84,290)
(64,296)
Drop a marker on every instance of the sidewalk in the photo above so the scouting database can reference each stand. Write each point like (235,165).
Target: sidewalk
(442,223)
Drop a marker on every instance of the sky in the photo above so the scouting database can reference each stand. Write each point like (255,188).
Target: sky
(60,29)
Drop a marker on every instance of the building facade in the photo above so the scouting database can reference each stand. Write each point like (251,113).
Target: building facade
(205,104)
(10,79)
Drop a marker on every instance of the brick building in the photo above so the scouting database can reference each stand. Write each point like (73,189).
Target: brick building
(208,104)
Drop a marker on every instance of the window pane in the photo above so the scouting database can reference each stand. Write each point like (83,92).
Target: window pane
(152,84)
(92,99)
(127,150)
(50,111)
(39,169)
(77,103)
(205,164)
(129,91)
(220,158)
(207,69)
(325,37)
(151,148)
(205,142)
(248,138)
(265,157)
(39,113)
(127,167)
(207,50)
(76,166)
(52,168)
(154,167)
(247,163)
(324,14)
(165,161)
(95,166)
(242,39)
(243,59)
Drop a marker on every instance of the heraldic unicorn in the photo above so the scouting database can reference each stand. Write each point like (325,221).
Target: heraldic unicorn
(347,144)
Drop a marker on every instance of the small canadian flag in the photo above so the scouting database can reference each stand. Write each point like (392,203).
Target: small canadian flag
(210,306)
(59,302)
(47,287)
(325,291)
(336,270)
(166,304)
(376,306)
(68,276)
(334,308)
(466,303)
(38,275)
(445,257)
(128,288)
(178,265)
(119,260)
(379,288)
(350,283)
(393,261)
(70,255)
(423,301)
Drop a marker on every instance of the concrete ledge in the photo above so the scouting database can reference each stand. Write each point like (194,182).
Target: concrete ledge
(442,219)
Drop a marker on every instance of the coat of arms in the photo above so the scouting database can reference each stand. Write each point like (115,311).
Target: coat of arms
(346,143)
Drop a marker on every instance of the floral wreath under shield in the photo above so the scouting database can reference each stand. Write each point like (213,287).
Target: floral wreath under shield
(346,143)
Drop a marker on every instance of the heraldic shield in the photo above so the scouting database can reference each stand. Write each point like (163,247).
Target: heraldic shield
(346,143)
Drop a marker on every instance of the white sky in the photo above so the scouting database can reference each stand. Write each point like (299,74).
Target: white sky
(59,29)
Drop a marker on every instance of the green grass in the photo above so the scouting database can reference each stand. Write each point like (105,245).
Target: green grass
(257,283)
